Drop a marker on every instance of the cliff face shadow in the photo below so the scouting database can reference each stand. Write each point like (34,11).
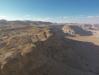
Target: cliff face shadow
(56,56)
(81,31)
(79,57)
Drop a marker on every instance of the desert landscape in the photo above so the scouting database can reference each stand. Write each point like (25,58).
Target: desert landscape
(49,37)
(45,48)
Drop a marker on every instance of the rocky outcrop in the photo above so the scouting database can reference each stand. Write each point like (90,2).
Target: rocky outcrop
(76,30)
(46,51)
(68,30)
(15,48)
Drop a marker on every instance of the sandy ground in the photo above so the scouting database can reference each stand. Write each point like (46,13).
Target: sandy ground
(93,39)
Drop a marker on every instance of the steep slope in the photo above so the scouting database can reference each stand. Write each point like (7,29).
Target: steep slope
(46,51)
(76,30)
(85,33)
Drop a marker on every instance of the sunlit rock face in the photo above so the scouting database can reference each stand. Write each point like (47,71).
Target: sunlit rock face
(45,50)
(68,30)
(77,30)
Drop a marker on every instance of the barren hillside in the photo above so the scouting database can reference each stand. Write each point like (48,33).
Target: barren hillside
(48,50)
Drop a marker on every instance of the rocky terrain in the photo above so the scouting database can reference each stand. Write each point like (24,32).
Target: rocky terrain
(28,48)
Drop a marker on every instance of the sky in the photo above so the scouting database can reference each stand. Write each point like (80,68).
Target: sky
(75,11)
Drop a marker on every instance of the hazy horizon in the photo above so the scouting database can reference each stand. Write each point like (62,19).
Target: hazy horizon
(61,11)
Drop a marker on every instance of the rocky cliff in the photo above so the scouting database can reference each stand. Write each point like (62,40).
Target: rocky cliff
(46,51)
